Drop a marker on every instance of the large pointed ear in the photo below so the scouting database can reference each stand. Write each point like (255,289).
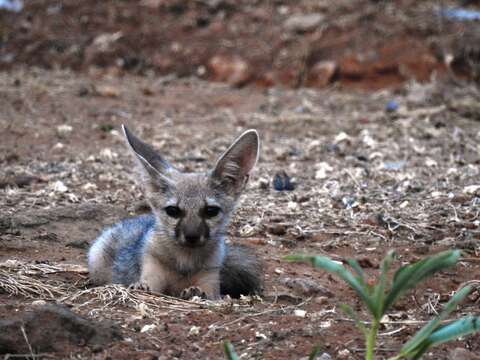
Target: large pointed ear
(233,168)
(154,167)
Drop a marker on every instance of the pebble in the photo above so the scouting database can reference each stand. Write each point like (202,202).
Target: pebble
(301,23)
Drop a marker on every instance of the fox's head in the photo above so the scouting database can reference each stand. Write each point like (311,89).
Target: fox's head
(194,208)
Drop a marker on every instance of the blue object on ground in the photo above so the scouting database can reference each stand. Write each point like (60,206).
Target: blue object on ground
(282,182)
(11,5)
(393,165)
(392,105)
(460,14)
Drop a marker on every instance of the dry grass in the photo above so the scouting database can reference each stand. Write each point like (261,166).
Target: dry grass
(31,281)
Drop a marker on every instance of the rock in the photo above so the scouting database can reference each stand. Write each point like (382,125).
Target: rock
(232,69)
(277,229)
(39,303)
(20,180)
(64,130)
(29,220)
(303,22)
(322,73)
(45,236)
(351,68)
(78,243)
(324,356)
(107,91)
(5,224)
(306,287)
(52,328)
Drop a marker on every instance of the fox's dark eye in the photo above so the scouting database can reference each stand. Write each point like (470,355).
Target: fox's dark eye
(211,211)
(173,211)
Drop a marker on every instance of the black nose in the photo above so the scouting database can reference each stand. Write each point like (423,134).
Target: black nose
(192,239)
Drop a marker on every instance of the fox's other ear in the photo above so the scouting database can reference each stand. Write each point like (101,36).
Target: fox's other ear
(153,164)
(233,168)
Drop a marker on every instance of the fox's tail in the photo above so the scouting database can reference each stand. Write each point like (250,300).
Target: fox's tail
(242,272)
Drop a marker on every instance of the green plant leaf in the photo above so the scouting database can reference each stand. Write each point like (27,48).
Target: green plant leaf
(329,265)
(379,289)
(409,276)
(358,270)
(314,353)
(458,328)
(351,313)
(432,325)
(229,351)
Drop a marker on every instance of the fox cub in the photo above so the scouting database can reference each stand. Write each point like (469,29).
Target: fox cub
(179,249)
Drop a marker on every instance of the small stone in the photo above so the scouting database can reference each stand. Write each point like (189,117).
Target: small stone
(89,187)
(232,69)
(323,169)
(39,303)
(194,330)
(277,229)
(107,91)
(344,354)
(64,130)
(471,189)
(108,154)
(58,146)
(148,327)
(324,356)
(20,180)
(321,300)
(306,287)
(59,186)
(301,23)
(260,336)
(322,73)
(78,244)
(300,313)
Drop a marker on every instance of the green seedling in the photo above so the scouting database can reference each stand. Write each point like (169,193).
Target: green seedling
(379,298)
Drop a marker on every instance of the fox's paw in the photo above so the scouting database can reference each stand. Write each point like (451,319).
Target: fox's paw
(192,291)
(139,286)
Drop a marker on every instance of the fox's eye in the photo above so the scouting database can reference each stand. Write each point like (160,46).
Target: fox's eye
(173,211)
(211,211)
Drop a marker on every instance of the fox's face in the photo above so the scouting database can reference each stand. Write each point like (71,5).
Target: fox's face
(194,208)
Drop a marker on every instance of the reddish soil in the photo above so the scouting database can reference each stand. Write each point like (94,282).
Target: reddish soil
(355,197)
(371,44)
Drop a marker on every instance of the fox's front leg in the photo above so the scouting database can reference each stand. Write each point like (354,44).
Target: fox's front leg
(205,284)
(154,276)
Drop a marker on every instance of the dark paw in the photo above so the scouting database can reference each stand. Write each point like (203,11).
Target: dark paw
(139,286)
(192,291)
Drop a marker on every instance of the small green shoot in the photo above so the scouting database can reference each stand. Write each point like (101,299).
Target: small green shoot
(380,297)
(229,351)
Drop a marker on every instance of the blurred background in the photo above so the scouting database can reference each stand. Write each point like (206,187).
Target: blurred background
(367,44)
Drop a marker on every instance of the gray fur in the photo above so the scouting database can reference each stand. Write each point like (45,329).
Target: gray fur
(192,242)
(241,272)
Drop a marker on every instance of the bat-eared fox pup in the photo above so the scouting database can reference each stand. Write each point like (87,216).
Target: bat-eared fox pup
(179,249)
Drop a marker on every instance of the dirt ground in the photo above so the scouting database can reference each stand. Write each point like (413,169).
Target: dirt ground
(397,167)
(367,180)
